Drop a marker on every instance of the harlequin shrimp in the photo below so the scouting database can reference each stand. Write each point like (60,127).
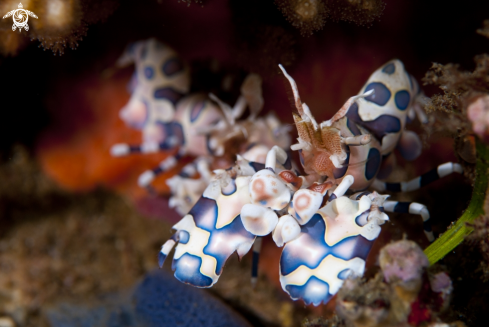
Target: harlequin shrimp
(243,203)
(325,241)
(377,116)
(218,224)
(197,125)
(160,80)
(214,134)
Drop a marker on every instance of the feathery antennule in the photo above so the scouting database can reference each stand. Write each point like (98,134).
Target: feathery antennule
(344,109)
(298,102)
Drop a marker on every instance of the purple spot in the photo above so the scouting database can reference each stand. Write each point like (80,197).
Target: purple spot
(381,93)
(373,163)
(361,220)
(172,129)
(352,126)
(169,94)
(172,66)
(149,72)
(389,69)
(378,127)
(205,208)
(196,110)
(402,99)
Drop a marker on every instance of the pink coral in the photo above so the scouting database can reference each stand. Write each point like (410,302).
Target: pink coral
(478,113)
(403,260)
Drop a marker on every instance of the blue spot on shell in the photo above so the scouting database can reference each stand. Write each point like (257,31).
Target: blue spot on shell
(233,231)
(314,284)
(196,110)
(361,220)
(379,127)
(389,69)
(205,213)
(172,66)
(312,239)
(168,93)
(187,270)
(149,72)
(230,188)
(381,93)
(173,131)
(351,124)
(203,207)
(402,99)
(176,130)
(344,274)
(373,163)
(184,236)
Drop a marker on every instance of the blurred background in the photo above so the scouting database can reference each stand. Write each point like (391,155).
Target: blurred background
(75,228)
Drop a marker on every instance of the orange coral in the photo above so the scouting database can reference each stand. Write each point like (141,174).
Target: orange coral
(76,152)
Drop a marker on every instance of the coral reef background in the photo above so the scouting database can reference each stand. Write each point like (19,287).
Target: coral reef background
(68,228)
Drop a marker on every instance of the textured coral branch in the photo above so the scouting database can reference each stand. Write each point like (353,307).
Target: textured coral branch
(456,234)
